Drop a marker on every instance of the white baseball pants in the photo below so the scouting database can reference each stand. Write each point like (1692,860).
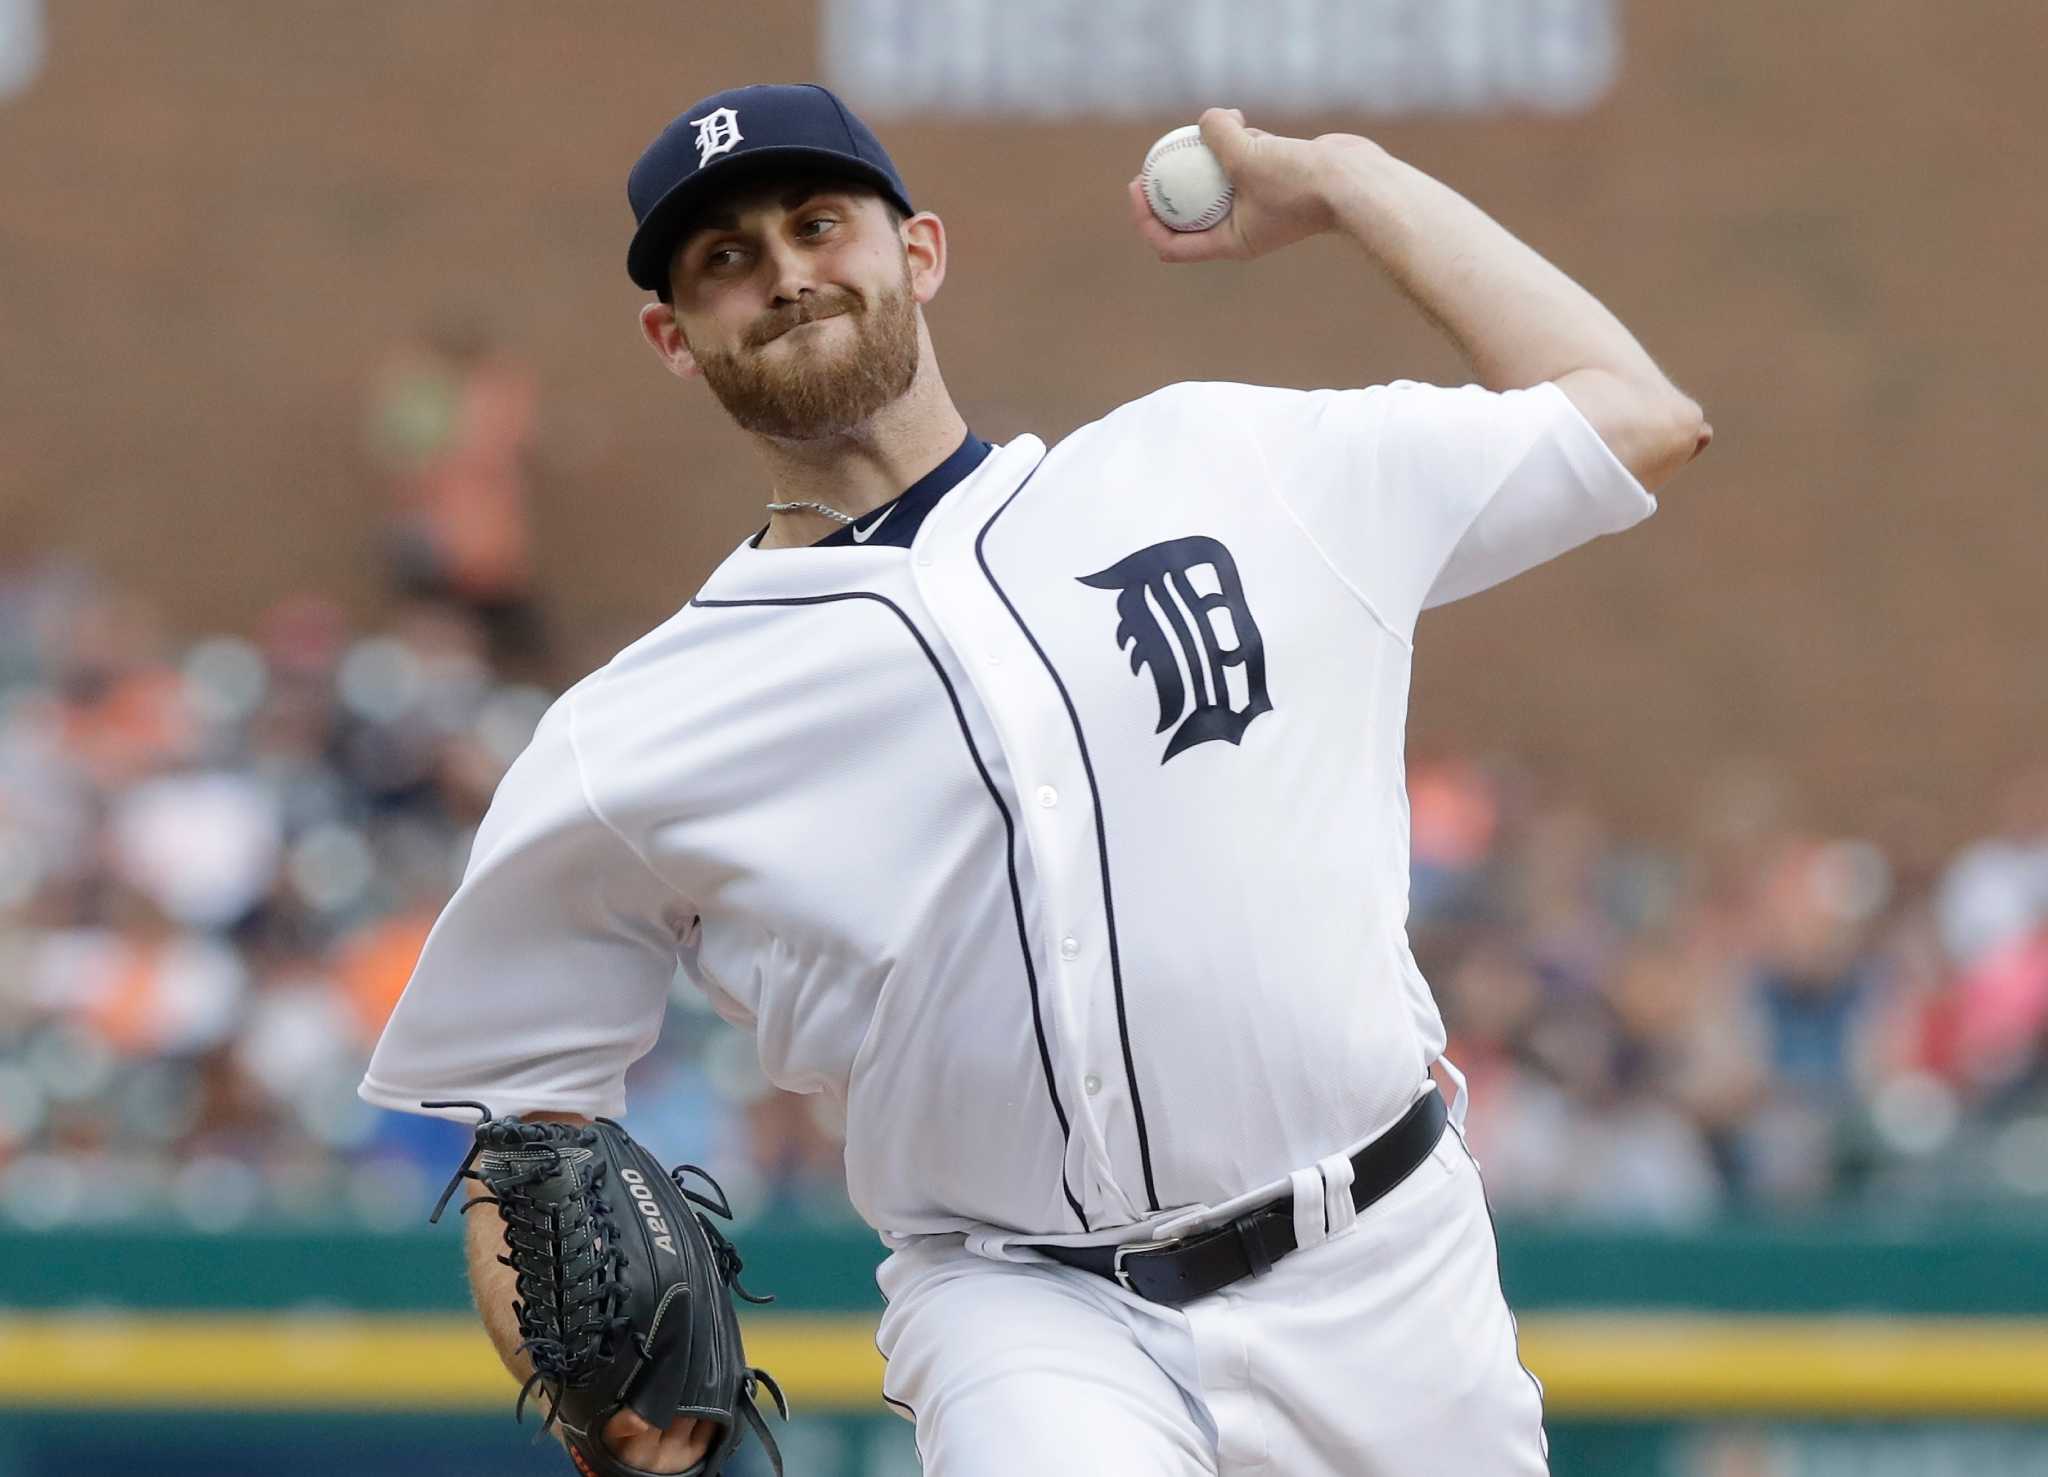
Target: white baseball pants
(1386,1350)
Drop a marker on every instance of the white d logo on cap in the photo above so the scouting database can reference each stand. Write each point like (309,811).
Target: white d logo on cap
(717,132)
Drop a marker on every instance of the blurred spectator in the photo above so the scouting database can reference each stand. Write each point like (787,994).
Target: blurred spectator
(34,589)
(1454,815)
(451,422)
(1815,985)
(141,984)
(373,960)
(112,704)
(1996,890)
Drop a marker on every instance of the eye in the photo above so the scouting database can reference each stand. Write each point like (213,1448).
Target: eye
(816,225)
(720,258)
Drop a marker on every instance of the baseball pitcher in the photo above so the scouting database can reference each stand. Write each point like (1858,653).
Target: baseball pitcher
(1042,808)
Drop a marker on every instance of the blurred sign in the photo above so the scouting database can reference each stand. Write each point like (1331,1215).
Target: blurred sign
(1066,58)
(21,44)
(1873,1450)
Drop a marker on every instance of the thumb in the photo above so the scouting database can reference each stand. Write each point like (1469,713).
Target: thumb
(1224,132)
(627,1423)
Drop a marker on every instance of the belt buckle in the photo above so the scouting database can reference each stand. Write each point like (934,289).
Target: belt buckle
(1132,1248)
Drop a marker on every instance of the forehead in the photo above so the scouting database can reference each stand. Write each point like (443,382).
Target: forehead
(775,191)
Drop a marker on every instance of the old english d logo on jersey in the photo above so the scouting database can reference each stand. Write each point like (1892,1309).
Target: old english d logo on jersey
(1171,627)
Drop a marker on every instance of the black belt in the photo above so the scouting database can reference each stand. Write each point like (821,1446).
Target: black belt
(1188,1267)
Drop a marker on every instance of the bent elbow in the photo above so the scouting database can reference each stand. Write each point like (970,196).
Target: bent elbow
(1676,433)
(1691,433)
(1652,427)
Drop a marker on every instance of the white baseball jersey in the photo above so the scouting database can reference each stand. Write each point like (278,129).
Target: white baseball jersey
(1065,850)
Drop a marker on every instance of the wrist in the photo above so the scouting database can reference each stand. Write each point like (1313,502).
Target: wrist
(1361,186)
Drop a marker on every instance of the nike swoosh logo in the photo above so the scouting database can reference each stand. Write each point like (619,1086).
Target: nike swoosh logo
(862,535)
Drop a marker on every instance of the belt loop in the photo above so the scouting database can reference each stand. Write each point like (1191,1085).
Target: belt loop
(1458,1098)
(1339,1209)
(1311,1219)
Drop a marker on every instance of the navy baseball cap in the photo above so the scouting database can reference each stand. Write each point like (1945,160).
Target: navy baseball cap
(729,134)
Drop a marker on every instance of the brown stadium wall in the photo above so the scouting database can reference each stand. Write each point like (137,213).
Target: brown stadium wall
(1824,218)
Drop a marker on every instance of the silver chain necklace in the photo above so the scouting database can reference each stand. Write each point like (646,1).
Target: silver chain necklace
(832,513)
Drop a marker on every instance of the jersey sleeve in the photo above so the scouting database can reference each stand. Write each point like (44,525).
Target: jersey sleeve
(1419,495)
(548,972)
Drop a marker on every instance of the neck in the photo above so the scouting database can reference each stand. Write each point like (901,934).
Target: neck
(859,470)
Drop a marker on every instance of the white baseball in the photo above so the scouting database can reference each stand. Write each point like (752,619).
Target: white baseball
(1183,183)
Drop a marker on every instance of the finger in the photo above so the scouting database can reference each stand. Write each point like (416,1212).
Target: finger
(683,1445)
(637,1444)
(1156,235)
(1224,132)
(1170,245)
(625,1425)
(1141,210)
(631,1439)
(640,1451)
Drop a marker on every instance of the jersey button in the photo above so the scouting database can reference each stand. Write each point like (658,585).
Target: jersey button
(1092,1084)
(1070,948)
(1048,797)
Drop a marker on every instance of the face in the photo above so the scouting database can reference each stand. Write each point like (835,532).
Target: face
(797,302)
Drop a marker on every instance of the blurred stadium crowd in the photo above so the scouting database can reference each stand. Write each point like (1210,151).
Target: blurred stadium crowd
(218,860)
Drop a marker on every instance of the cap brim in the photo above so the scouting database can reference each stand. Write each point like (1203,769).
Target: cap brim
(655,242)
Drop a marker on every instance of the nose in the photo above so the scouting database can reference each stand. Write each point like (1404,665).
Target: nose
(792,272)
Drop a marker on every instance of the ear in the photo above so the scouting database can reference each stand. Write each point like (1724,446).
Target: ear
(924,244)
(664,335)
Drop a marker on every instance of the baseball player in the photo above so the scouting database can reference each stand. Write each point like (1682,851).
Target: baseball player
(1042,809)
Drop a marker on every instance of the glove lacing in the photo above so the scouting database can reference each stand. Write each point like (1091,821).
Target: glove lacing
(568,1326)
(728,1257)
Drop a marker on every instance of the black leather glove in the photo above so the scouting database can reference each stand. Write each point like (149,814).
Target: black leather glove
(625,1288)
